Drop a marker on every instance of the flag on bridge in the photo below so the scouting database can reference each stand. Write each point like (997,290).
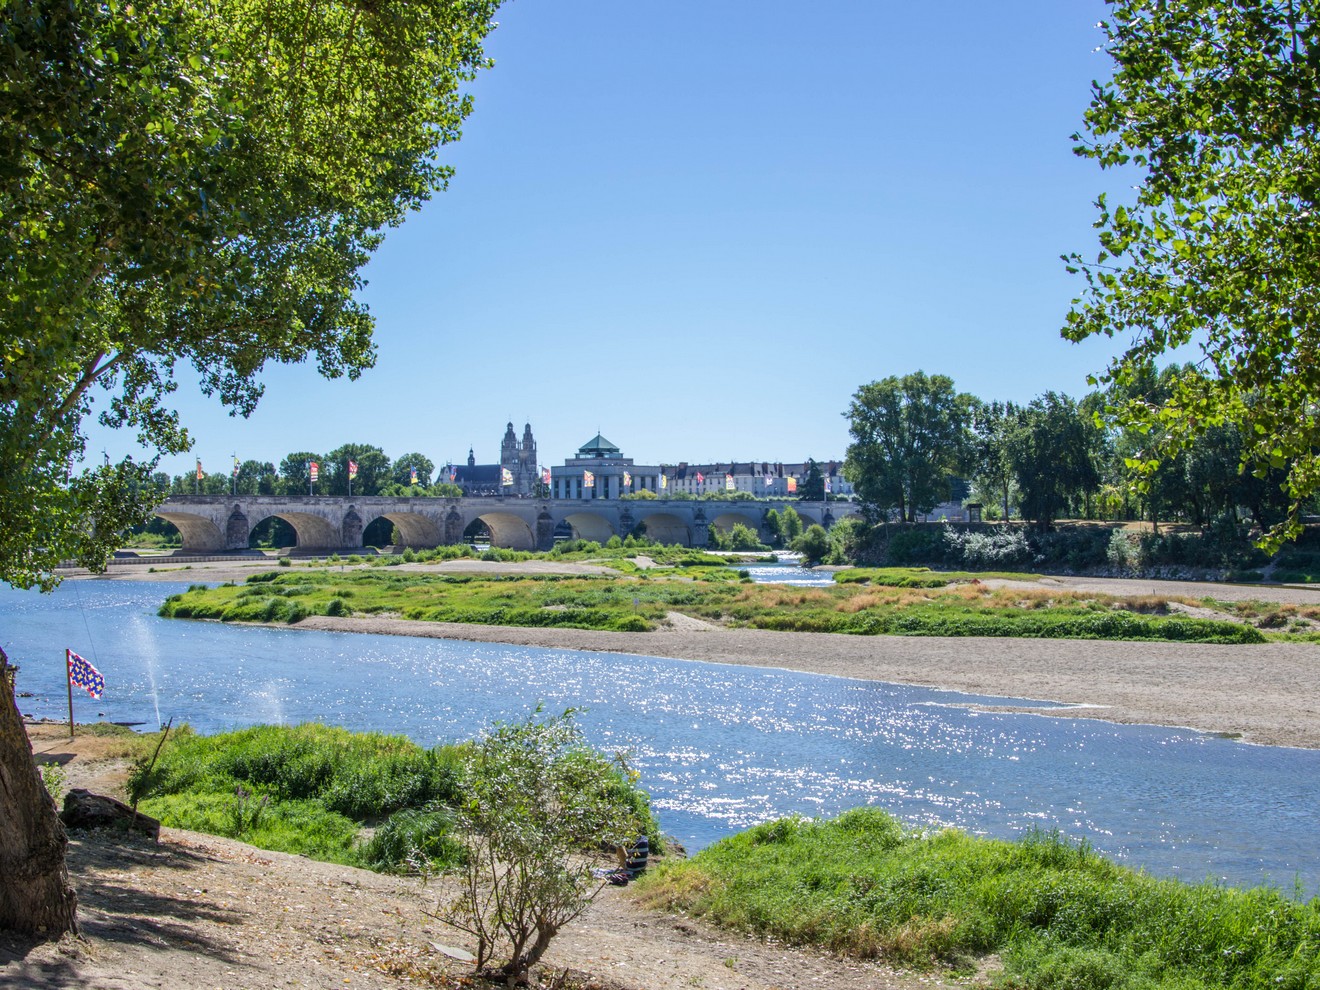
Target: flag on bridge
(588,480)
(84,675)
(701,478)
(545,476)
(199,469)
(352,470)
(728,482)
(827,484)
(506,477)
(664,481)
(792,486)
(313,468)
(412,476)
(627,479)
(235,465)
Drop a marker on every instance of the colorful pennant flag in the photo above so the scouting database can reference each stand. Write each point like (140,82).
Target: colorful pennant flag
(701,478)
(506,477)
(352,470)
(627,479)
(235,467)
(664,481)
(82,674)
(199,469)
(827,484)
(412,476)
(588,480)
(314,468)
(453,475)
(545,476)
(792,485)
(728,482)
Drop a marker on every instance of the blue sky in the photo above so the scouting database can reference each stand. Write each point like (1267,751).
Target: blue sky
(698,227)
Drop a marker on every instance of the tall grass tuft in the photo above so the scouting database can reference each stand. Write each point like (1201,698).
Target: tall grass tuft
(1059,915)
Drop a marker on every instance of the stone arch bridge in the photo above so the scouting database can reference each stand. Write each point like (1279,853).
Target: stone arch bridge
(323,524)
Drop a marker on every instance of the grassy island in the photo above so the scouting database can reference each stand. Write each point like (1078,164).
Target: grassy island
(632,597)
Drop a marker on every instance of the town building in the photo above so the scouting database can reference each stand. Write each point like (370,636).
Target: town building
(516,475)
(601,471)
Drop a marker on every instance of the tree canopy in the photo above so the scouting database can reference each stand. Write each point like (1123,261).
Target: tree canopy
(909,435)
(197,183)
(1215,104)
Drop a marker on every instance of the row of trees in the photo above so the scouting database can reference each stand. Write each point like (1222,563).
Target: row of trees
(376,475)
(1055,456)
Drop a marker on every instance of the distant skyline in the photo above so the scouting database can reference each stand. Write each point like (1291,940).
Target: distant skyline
(698,228)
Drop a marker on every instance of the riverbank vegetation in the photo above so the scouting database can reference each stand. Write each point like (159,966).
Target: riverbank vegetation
(1057,914)
(371,800)
(868,603)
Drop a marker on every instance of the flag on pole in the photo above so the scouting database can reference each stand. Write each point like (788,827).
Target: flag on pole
(728,482)
(701,478)
(545,476)
(664,481)
(352,470)
(792,486)
(588,480)
(627,479)
(827,484)
(235,466)
(314,468)
(453,475)
(412,476)
(84,675)
(199,469)
(506,477)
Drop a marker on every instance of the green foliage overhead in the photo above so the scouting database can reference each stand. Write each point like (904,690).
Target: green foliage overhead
(194,182)
(1214,104)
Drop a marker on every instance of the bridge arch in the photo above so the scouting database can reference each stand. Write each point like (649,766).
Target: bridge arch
(199,534)
(589,526)
(415,530)
(311,531)
(508,530)
(725,521)
(665,527)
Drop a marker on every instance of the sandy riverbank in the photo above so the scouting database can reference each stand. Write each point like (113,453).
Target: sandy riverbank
(1268,694)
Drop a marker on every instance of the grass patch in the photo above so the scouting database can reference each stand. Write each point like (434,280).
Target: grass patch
(908,602)
(310,789)
(1059,915)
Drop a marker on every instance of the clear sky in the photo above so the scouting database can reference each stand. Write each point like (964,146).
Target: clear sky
(698,226)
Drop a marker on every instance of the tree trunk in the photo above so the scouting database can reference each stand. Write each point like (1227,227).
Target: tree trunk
(35,896)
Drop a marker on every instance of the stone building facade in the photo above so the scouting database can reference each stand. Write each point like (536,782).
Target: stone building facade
(516,475)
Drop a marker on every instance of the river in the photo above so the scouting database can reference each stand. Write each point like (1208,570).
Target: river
(719,747)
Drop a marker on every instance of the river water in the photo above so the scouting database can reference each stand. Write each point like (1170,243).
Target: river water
(719,747)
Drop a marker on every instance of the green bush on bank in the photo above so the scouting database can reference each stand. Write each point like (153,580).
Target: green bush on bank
(1058,914)
(309,789)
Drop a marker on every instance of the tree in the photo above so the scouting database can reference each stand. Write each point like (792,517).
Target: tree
(1049,451)
(909,435)
(1219,249)
(536,797)
(813,485)
(295,473)
(814,544)
(373,470)
(992,473)
(257,478)
(404,466)
(193,182)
